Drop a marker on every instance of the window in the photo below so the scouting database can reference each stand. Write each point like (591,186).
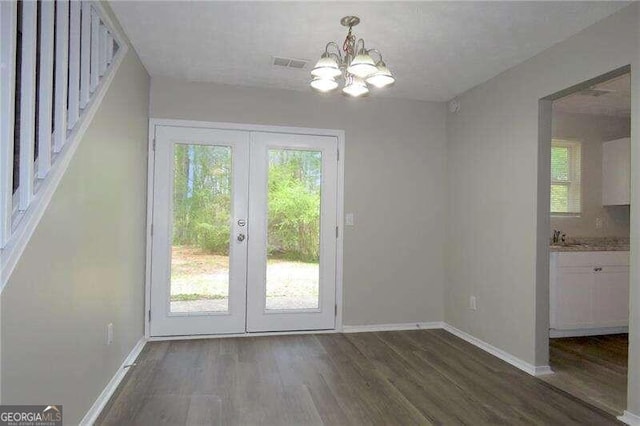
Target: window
(55,57)
(565,177)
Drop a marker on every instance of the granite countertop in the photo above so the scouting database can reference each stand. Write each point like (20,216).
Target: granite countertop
(592,244)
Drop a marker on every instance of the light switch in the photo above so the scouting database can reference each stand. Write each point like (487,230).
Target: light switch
(348,219)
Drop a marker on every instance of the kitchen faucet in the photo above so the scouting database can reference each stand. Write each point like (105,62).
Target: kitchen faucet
(558,236)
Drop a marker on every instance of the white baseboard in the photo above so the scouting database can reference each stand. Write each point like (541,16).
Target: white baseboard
(392,327)
(630,418)
(542,370)
(499,353)
(95,410)
(553,333)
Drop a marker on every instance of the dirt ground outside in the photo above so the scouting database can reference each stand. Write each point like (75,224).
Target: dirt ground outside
(200,282)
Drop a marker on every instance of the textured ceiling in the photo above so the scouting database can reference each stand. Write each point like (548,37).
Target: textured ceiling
(437,50)
(615,101)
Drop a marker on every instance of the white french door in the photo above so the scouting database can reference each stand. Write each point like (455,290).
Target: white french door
(244,232)
(198,266)
(281,294)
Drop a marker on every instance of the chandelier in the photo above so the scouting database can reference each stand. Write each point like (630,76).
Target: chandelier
(354,64)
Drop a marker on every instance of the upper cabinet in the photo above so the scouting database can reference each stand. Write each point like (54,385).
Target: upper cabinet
(616,172)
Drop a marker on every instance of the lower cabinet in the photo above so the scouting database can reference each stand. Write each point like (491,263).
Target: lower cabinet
(588,291)
(574,293)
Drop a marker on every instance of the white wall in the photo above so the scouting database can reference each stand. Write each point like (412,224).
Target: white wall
(591,131)
(84,265)
(394,184)
(493,206)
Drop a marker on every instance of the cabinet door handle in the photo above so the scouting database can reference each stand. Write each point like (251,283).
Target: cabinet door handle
(598,269)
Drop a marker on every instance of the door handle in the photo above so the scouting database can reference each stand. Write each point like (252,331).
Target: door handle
(598,269)
(241,237)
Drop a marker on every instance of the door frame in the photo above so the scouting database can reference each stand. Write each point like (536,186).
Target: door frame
(543,216)
(339,134)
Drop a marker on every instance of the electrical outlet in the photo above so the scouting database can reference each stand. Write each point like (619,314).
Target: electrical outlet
(472,303)
(109,333)
(598,222)
(348,219)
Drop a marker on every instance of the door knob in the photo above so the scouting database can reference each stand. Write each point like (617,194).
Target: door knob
(241,237)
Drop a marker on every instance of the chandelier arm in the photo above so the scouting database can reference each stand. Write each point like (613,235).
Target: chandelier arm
(338,54)
(376,51)
(335,56)
(357,51)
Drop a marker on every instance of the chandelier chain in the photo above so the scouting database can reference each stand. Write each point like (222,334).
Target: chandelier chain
(349,42)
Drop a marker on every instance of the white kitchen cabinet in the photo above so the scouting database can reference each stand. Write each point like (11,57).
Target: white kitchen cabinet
(574,298)
(616,172)
(589,293)
(611,297)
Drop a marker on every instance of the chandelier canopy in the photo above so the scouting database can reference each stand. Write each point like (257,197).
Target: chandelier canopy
(353,63)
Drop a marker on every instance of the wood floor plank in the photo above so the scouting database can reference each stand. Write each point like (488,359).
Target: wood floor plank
(476,384)
(384,403)
(427,389)
(391,378)
(512,386)
(177,370)
(204,410)
(592,368)
(303,364)
(168,409)
(129,397)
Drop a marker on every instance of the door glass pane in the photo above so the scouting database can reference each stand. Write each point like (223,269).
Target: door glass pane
(201,229)
(293,234)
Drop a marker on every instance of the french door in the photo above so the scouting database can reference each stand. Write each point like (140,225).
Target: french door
(244,232)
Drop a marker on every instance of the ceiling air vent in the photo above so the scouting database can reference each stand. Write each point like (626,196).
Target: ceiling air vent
(298,64)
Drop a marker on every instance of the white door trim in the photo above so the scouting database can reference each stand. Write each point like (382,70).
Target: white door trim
(339,134)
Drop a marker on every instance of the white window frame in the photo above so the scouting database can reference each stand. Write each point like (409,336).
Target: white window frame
(39,180)
(574,182)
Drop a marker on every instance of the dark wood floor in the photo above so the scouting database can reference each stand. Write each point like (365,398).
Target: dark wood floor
(592,368)
(390,378)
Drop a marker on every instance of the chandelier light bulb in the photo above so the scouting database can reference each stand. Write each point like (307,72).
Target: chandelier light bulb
(355,87)
(362,66)
(327,67)
(324,84)
(382,77)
